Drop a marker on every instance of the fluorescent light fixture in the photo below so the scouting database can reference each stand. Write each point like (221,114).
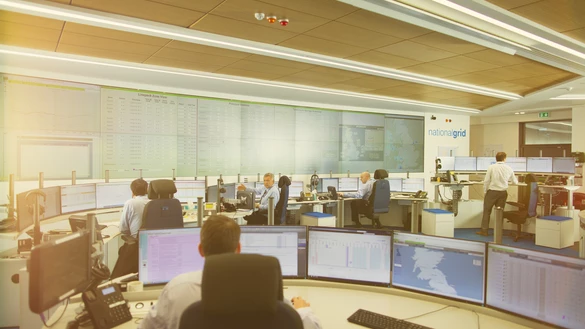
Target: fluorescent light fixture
(388,73)
(569,97)
(509,27)
(247,81)
(561,123)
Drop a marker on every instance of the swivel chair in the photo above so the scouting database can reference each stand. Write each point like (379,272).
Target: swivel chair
(242,291)
(280,209)
(379,201)
(163,211)
(526,209)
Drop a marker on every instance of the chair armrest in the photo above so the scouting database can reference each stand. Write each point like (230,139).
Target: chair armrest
(516,204)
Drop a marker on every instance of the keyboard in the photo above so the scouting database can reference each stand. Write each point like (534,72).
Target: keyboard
(378,321)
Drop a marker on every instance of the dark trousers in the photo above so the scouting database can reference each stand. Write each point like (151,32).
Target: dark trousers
(492,197)
(257,218)
(127,260)
(358,207)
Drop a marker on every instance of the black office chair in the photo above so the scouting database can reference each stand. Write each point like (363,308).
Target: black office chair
(246,199)
(242,291)
(526,209)
(163,211)
(280,209)
(379,201)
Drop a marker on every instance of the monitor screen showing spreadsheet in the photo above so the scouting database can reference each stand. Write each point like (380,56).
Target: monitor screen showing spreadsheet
(447,163)
(77,198)
(465,163)
(395,184)
(189,190)
(483,163)
(287,243)
(564,165)
(295,188)
(163,254)
(518,164)
(413,184)
(545,287)
(326,182)
(542,164)
(349,255)
(348,184)
(441,266)
(110,195)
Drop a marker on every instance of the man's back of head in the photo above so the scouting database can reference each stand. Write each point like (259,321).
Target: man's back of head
(139,187)
(219,235)
(501,156)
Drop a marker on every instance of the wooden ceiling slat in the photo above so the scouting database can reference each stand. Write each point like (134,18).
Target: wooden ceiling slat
(244,30)
(465,64)
(89,41)
(355,36)
(29,31)
(330,9)
(160,61)
(248,74)
(320,46)
(189,56)
(578,34)
(497,58)
(101,53)
(448,43)
(432,70)
(558,15)
(197,5)
(383,59)
(115,34)
(416,51)
(245,64)
(383,24)
(12,17)
(206,49)
(279,62)
(12,40)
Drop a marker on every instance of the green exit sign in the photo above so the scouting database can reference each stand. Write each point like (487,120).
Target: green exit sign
(544,114)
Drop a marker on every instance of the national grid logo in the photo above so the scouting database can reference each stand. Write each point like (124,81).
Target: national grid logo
(448,132)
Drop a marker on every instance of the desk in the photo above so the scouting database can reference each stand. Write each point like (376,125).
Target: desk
(415,206)
(333,303)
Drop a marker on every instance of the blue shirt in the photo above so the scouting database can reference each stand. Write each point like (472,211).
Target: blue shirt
(132,215)
(265,194)
(363,193)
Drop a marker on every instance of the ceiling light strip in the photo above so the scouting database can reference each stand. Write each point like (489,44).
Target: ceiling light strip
(412,77)
(248,81)
(569,97)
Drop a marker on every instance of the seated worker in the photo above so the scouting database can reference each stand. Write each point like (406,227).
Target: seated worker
(132,213)
(359,206)
(260,215)
(219,235)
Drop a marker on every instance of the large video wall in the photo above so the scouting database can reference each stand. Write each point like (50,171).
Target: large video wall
(55,127)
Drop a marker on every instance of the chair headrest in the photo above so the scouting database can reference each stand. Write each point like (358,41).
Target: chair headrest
(284,180)
(230,280)
(161,189)
(380,174)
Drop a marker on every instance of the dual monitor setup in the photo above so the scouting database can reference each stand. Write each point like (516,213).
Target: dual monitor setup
(556,165)
(540,286)
(352,184)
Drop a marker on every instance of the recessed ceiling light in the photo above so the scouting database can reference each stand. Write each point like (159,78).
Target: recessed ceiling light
(569,97)
(522,112)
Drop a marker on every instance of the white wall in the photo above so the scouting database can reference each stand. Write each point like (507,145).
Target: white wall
(534,136)
(488,139)
(578,144)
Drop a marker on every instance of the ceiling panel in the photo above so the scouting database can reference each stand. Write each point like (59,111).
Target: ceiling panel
(197,5)
(447,43)
(383,24)
(101,53)
(431,70)
(144,9)
(197,66)
(8,16)
(245,64)
(535,69)
(243,10)
(383,59)
(497,58)
(318,78)
(248,74)
(464,64)
(578,34)
(115,34)
(373,83)
(66,2)
(355,36)
(206,49)
(416,51)
(279,62)
(107,44)
(475,78)
(508,86)
(559,15)
(189,56)
(29,31)
(337,73)
(330,9)
(320,46)
(27,42)
(539,81)
(347,87)
(243,30)
(509,4)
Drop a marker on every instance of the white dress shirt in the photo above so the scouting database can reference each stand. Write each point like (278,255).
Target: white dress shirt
(185,290)
(265,194)
(132,215)
(497,177)
(363,193)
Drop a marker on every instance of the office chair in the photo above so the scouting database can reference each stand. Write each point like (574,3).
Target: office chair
(242,291)
(379,201)
(163,211)
(280,209)
(246,199)
(526,209)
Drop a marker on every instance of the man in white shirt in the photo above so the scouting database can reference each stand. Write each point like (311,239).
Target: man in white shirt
(260,215)
(495,186)
(132,213)
(363,194)
(219,235)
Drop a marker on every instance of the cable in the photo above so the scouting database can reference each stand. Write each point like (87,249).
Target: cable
(418,316)
(60,316)
(478,326)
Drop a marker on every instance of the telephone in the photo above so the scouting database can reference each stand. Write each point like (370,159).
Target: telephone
(106,306)
(420,194)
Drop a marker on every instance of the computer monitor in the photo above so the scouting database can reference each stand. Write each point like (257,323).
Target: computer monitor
(79,222)
(412,185)
(545,287)
(189,190)
(465,163)
(111,195)
(295,188)
(447,163)
(59,269)
(541,164)
(483,163)
(395,184)
(349,255)
(50,208)
(163,254)
(564,165)
(441,266)
(518,164)
(348,184)
(77,198)
(287,243)
(230,192)
(324,183)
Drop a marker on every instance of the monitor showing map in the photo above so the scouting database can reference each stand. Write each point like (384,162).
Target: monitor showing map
(441,266)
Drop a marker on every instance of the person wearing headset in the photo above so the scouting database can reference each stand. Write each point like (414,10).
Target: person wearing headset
(363,194)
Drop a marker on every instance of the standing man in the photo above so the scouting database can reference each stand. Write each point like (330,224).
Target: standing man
(495,186)
(260,214)
(219,235)
(132,213)
(360,206)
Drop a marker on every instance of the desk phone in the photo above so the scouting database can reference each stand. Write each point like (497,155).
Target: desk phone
(106,306)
